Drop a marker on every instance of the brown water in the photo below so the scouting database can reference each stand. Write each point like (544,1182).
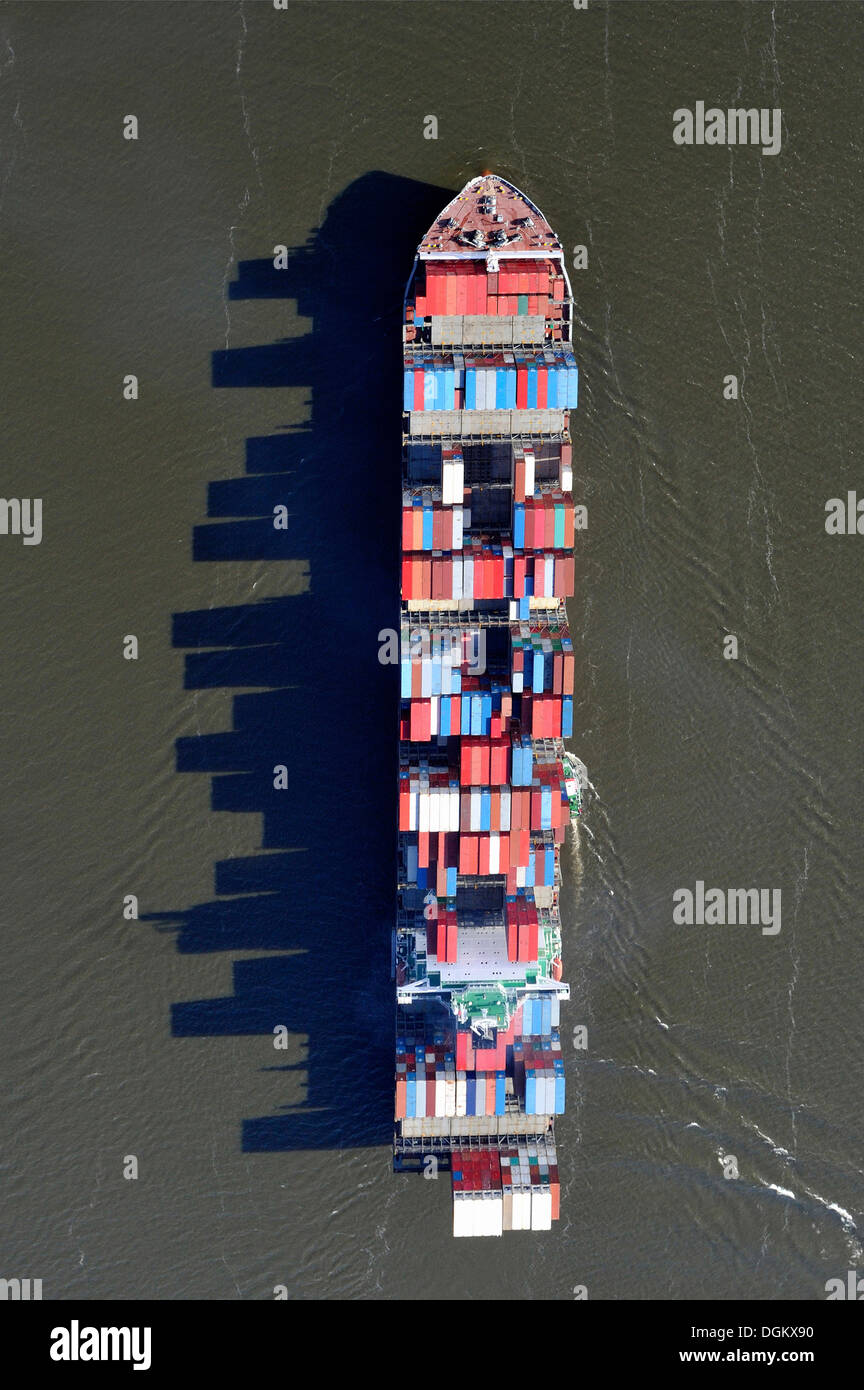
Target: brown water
(154,1037)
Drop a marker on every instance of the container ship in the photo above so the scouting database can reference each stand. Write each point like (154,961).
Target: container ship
(486,787)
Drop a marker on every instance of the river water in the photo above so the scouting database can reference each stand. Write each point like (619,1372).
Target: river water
(711,1050)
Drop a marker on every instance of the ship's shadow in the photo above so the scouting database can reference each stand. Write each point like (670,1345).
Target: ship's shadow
(316,698)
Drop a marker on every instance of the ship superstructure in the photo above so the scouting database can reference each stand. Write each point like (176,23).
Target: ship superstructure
(486,789)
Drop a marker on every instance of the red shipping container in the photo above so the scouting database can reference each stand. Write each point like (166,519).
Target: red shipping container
(468,854)
(542,388)
(423,849)
(483,761)
(568,575)
(557,673)
(519,480)
(533,939)
(421,731)
(418,388)
(470,292)
(521,386)
(522,948)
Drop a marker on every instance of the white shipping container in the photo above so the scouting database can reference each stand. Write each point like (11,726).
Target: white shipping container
(521,1209)
(440,1102)
(494,852)
(541,1209)
(446,482)
(462,1216)
(529,472)
(450,1094)
(497,1217)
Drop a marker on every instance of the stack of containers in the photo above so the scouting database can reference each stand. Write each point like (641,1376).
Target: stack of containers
(482,568)
(521,759)
(524,471)
(432,661)
(443,936)
(477,1196)
(543,860)
(540,1014)
(497,381)
(516,289)
(522,925)
(547,716)
(544,522)
(541,659)
(542,574)
(538,1074)
(484,762)
(483,708)
(530,1187)
(430,1082)
(428,524)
